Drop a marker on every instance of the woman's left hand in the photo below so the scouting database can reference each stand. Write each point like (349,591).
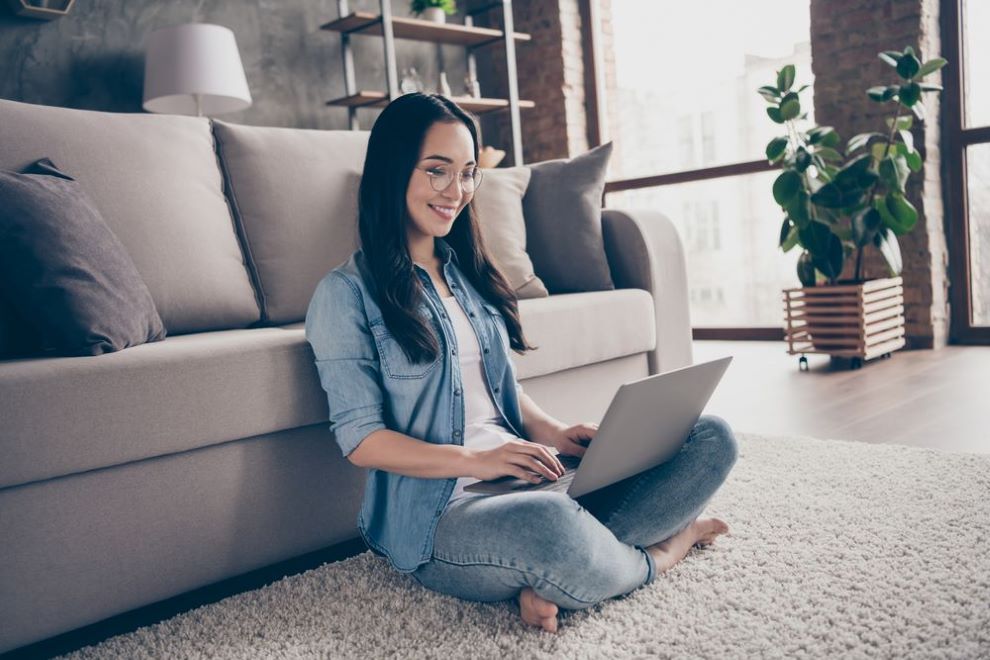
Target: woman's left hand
(573,440)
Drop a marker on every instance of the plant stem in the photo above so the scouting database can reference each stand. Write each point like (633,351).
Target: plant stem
(890,141)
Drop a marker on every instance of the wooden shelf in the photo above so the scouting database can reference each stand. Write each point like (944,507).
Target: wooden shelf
(369,99)
(416,29)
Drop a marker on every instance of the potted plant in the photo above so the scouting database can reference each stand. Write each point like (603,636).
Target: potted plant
(838,204)
(434,10)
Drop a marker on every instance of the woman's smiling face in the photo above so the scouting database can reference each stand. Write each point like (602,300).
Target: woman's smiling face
(447,148)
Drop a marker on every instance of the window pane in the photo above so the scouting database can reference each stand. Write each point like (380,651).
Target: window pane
(978,192)
(685,84)
(976,49)
(729,227)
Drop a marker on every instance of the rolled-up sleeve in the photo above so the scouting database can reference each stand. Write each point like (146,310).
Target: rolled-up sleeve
(347,361)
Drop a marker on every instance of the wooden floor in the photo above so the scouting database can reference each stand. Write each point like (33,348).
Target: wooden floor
(933,398)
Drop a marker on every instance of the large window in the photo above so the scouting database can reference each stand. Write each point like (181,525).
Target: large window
(684,103)
(967,154)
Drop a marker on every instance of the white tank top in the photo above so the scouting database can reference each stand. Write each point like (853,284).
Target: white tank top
(483,424)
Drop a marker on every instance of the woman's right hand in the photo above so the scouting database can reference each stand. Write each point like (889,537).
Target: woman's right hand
(517,458)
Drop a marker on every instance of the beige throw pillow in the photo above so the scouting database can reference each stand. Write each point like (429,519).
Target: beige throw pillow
(498,203)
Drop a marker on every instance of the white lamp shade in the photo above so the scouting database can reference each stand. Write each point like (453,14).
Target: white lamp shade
(194,59)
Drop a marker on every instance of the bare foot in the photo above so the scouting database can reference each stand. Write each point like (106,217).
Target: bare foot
(699,533)
(537,611)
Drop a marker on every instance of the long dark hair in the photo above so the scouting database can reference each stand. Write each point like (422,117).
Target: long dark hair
(393,151)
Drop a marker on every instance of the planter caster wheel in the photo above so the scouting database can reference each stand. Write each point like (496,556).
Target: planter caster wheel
(886,356)
(802,363)
(856,363)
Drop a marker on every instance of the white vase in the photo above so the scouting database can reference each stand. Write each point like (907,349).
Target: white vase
(434,14)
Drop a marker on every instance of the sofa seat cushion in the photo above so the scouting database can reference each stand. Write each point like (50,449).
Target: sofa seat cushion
(66,415)
(156,182)
(576,329)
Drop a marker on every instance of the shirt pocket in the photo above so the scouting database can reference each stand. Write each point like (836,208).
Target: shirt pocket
(501,332)
(395,363)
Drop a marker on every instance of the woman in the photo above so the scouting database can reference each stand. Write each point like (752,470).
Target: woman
(411,337)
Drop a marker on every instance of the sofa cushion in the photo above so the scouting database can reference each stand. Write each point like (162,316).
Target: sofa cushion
(563,207)
(65,272)
(157,183)
(498,203)
(294,193)
(575,329)
(193,391)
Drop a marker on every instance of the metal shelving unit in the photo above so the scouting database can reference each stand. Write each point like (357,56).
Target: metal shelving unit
(468,35)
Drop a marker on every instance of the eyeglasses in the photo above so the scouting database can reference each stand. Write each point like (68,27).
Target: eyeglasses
(441,177)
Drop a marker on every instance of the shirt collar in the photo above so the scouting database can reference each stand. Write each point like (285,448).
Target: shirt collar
(446,252)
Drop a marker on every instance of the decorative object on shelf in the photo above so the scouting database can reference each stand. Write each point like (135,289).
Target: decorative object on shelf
(836,205)
(411,82)
(469,36)
(45,10)
(434,10)
(472,87)
(489,157)
(443,87)
(194,69)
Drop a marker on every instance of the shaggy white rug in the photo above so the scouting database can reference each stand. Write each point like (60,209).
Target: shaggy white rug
(835,549)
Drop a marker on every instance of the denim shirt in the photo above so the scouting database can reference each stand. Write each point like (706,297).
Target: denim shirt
(372,385)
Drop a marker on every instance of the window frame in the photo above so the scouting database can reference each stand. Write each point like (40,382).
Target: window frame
(956,138)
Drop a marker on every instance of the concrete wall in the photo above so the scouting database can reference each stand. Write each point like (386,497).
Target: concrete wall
(94,57)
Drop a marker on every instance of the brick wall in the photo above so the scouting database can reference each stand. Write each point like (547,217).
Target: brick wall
(550,73)
(846,36)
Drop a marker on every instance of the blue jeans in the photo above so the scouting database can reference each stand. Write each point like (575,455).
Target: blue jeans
(577,553)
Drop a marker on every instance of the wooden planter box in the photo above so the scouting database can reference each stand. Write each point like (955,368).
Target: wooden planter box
(856,321)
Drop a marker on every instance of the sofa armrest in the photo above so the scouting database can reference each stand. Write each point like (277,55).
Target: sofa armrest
(645,252)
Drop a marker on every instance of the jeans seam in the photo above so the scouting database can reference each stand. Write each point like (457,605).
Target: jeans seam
(514,568)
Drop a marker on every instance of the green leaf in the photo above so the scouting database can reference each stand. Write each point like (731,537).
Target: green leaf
(774,114)
(786,187)
(893,170)
(903,123)
(825,248)
(788,236)
(806,269)
(908,65)
(776,149)
(919,111)
(790,107)
(856,174)
(857,142)
(797,209)
(823,135)
(879,151)
(907,138)
(931,66)
(829,154)
(771,94)
(882,93)
(886,242)
(865,225)
(898,214)
(785,78)
(913,159)
(890,57)
(802,159)
(909,94)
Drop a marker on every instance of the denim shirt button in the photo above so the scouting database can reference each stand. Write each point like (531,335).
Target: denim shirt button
(497,388)
(457,392)
(486,349)
(457,434)
(453,351)
(471,314)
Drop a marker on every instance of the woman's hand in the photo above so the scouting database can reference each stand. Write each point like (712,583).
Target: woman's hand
(572,440)
(518,458)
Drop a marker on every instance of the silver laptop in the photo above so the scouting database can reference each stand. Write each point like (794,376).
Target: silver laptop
(647,423)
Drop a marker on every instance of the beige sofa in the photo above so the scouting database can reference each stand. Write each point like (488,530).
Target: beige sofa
(131,477)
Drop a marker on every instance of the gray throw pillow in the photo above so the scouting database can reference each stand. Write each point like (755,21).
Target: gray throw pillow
(563,209)
(64,273)
(498,203)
